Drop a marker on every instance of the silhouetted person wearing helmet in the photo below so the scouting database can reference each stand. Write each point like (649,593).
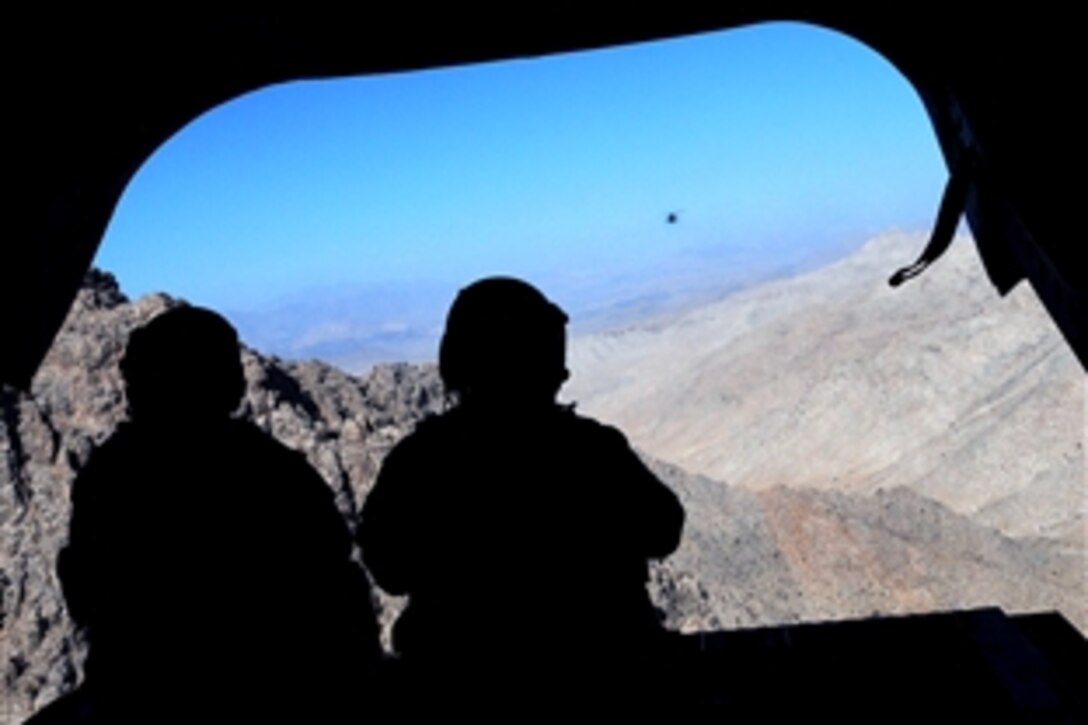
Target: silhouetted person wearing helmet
(519,531)
(207,562)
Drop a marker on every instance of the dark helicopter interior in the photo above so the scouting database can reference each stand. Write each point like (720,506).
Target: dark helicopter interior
(997,89)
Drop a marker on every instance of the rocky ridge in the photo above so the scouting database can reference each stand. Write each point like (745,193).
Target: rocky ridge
(345,425)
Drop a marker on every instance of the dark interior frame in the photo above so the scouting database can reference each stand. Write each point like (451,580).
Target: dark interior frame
(92,93)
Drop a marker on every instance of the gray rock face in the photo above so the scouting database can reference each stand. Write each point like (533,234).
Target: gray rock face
(45,437)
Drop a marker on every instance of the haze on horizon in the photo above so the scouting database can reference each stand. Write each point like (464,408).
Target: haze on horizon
(326,216)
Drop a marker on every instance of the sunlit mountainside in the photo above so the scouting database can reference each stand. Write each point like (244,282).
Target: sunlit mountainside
(890,449)
(832,380)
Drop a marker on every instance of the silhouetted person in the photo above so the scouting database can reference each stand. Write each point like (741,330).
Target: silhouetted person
(519,530)
(207,562)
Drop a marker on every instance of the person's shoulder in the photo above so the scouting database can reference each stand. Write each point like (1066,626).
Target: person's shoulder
(280,477)
(126,435)
(116,450)
(590,428)
(250,443)
(246,433)
(434,423)
(431,431)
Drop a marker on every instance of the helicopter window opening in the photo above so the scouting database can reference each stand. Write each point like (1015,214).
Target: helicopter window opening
(718,215)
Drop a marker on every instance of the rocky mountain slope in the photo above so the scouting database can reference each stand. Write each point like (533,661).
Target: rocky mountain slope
(835,381)
(345,426)
(750,555)
(782,555)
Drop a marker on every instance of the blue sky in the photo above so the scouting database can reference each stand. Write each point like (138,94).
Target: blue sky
(774,137)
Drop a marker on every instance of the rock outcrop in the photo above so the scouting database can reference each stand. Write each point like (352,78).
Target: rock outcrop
(343,424)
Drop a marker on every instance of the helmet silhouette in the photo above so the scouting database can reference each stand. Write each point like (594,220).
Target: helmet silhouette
(503,336)
(183,363)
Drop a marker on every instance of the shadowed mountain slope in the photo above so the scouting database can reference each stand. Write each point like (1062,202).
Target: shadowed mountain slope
(785,555)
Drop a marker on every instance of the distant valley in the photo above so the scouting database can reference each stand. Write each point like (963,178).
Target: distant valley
(357,326)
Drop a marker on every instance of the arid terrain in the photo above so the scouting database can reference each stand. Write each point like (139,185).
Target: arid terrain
(834,381)
(842,449)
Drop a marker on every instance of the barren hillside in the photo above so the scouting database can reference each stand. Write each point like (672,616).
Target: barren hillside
(834,381)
